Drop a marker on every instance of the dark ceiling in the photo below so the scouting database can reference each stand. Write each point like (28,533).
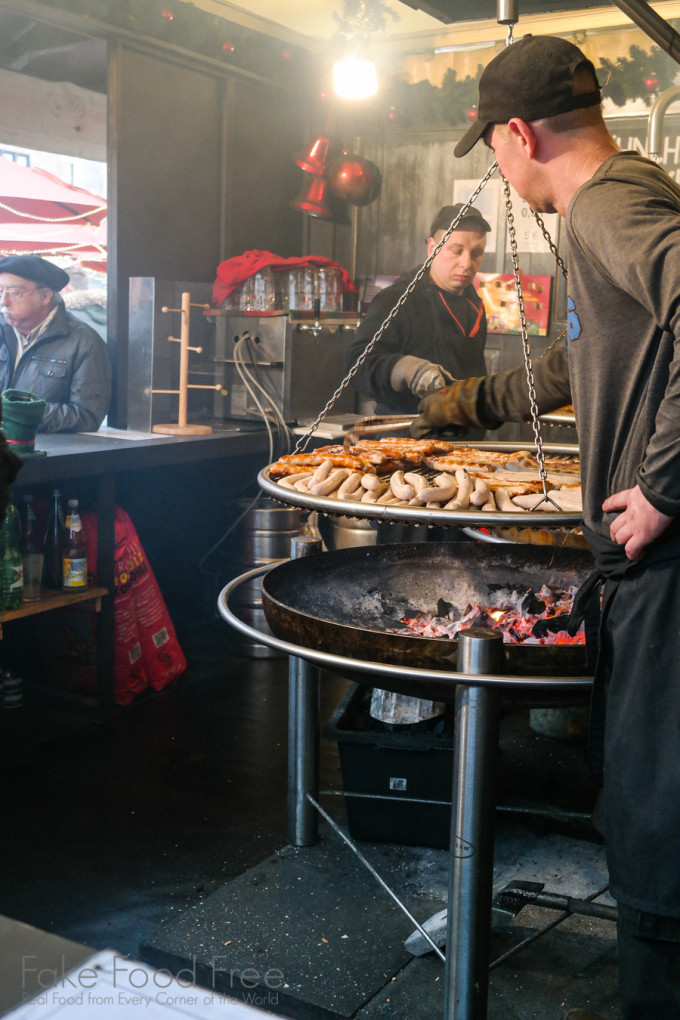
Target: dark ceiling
(54,54)
(487,10)
(31,46)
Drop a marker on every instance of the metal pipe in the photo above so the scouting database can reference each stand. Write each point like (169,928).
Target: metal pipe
(303,731)
(655,125)
(656,27)
(472,830)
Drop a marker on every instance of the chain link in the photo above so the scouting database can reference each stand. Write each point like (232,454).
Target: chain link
(535,423)
(302,442)
(551,244)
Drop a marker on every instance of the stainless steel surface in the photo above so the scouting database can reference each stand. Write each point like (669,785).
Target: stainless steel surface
(261,537)
(153,362)
(381,670)
(428,515)
(559,418)
(303,731)
(472,832)
(282,357)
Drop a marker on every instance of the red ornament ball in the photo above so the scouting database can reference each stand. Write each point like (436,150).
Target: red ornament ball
(168,15)
(354,179)
(228,47)
(652,83)
(472,114)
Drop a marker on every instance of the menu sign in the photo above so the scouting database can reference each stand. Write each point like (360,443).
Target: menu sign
(631,133)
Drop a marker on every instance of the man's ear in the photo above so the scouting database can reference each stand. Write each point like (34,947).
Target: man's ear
(524,134)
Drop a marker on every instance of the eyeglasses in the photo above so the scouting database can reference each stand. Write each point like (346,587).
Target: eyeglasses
(16,293)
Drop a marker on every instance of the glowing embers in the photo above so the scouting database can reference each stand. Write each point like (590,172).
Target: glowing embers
(524,616)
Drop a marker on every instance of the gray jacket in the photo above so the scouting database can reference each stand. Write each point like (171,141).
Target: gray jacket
(68,367)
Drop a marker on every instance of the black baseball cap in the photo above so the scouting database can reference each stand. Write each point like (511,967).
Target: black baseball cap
(32,267)
(530,79)
(473,220)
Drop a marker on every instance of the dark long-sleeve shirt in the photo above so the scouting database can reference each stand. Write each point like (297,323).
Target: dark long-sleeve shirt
(446,329)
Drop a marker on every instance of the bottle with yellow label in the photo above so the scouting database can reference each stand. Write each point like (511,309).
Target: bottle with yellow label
(74,552)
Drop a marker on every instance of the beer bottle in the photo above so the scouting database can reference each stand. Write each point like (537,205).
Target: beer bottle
(31,553)
(74,551)
(52,565)
(12,563)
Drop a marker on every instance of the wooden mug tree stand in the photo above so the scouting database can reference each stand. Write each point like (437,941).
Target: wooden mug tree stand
(181,428)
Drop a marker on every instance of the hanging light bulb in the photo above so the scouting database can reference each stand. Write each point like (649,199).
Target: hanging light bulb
(355,79)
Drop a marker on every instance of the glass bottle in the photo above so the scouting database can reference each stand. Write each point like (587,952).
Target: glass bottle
(74,551)
(52,565)
(12,565)
(31,553)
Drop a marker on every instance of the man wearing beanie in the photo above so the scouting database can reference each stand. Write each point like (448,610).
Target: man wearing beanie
(46,351)
(539,110)
(440,332)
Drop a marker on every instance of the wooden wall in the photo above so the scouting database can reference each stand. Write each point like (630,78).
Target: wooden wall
(200,169)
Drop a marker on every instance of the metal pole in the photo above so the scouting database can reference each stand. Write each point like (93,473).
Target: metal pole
(480,651)
(303,731)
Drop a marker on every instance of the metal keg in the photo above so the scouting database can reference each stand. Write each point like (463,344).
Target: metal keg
(261,536)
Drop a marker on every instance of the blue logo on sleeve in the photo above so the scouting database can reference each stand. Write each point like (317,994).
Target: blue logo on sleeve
(573,322)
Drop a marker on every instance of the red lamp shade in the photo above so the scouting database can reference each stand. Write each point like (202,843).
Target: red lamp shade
(313,199)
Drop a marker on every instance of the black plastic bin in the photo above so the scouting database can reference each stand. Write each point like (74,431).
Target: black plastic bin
(408,762)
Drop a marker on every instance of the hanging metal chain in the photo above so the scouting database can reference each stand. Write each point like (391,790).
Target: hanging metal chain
(302,442)
(551,244)
(535,423)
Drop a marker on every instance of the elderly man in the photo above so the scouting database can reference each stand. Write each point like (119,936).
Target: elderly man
(539,110)
(47,351)
(440,332)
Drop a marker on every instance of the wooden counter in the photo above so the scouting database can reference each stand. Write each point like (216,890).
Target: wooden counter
(123,470)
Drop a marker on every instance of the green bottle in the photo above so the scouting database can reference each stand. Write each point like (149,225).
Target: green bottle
(12,561)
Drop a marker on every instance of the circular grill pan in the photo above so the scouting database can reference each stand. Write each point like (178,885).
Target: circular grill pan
(430,515)
(346,602)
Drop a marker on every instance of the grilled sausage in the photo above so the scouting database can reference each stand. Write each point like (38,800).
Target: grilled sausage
(350,485)
(400,487)
(505,504)
(322,472)
(330,483)
(481,493)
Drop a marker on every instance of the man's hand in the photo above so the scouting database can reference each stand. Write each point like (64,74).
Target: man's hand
(418,375)
(454,405)
(638,525)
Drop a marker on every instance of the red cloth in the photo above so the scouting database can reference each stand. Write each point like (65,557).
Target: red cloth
(232,273)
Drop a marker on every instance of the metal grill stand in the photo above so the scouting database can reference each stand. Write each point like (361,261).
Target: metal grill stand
(472,828)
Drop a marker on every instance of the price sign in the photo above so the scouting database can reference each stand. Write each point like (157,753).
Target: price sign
(529,235)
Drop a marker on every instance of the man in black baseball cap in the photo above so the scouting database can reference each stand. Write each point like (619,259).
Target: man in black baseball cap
(539,111)
(532,79)
(47,351)
(439,333)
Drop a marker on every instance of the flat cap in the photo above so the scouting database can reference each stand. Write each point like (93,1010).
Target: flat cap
(32,267)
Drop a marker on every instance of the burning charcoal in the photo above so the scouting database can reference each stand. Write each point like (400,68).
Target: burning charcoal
(447,610)
(553,625)
(530,605)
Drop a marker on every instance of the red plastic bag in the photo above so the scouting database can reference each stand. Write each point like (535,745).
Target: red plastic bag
(145,639)
(129,673)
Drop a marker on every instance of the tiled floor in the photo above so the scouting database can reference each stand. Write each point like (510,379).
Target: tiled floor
(114,831)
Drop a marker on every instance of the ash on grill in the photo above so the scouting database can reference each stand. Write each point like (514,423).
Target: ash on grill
(524,616)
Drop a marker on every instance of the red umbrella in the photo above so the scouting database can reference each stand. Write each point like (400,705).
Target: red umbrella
(29,194)
(83,242)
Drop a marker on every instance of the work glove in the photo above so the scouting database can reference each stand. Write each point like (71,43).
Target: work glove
(453,405)
(418,375)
